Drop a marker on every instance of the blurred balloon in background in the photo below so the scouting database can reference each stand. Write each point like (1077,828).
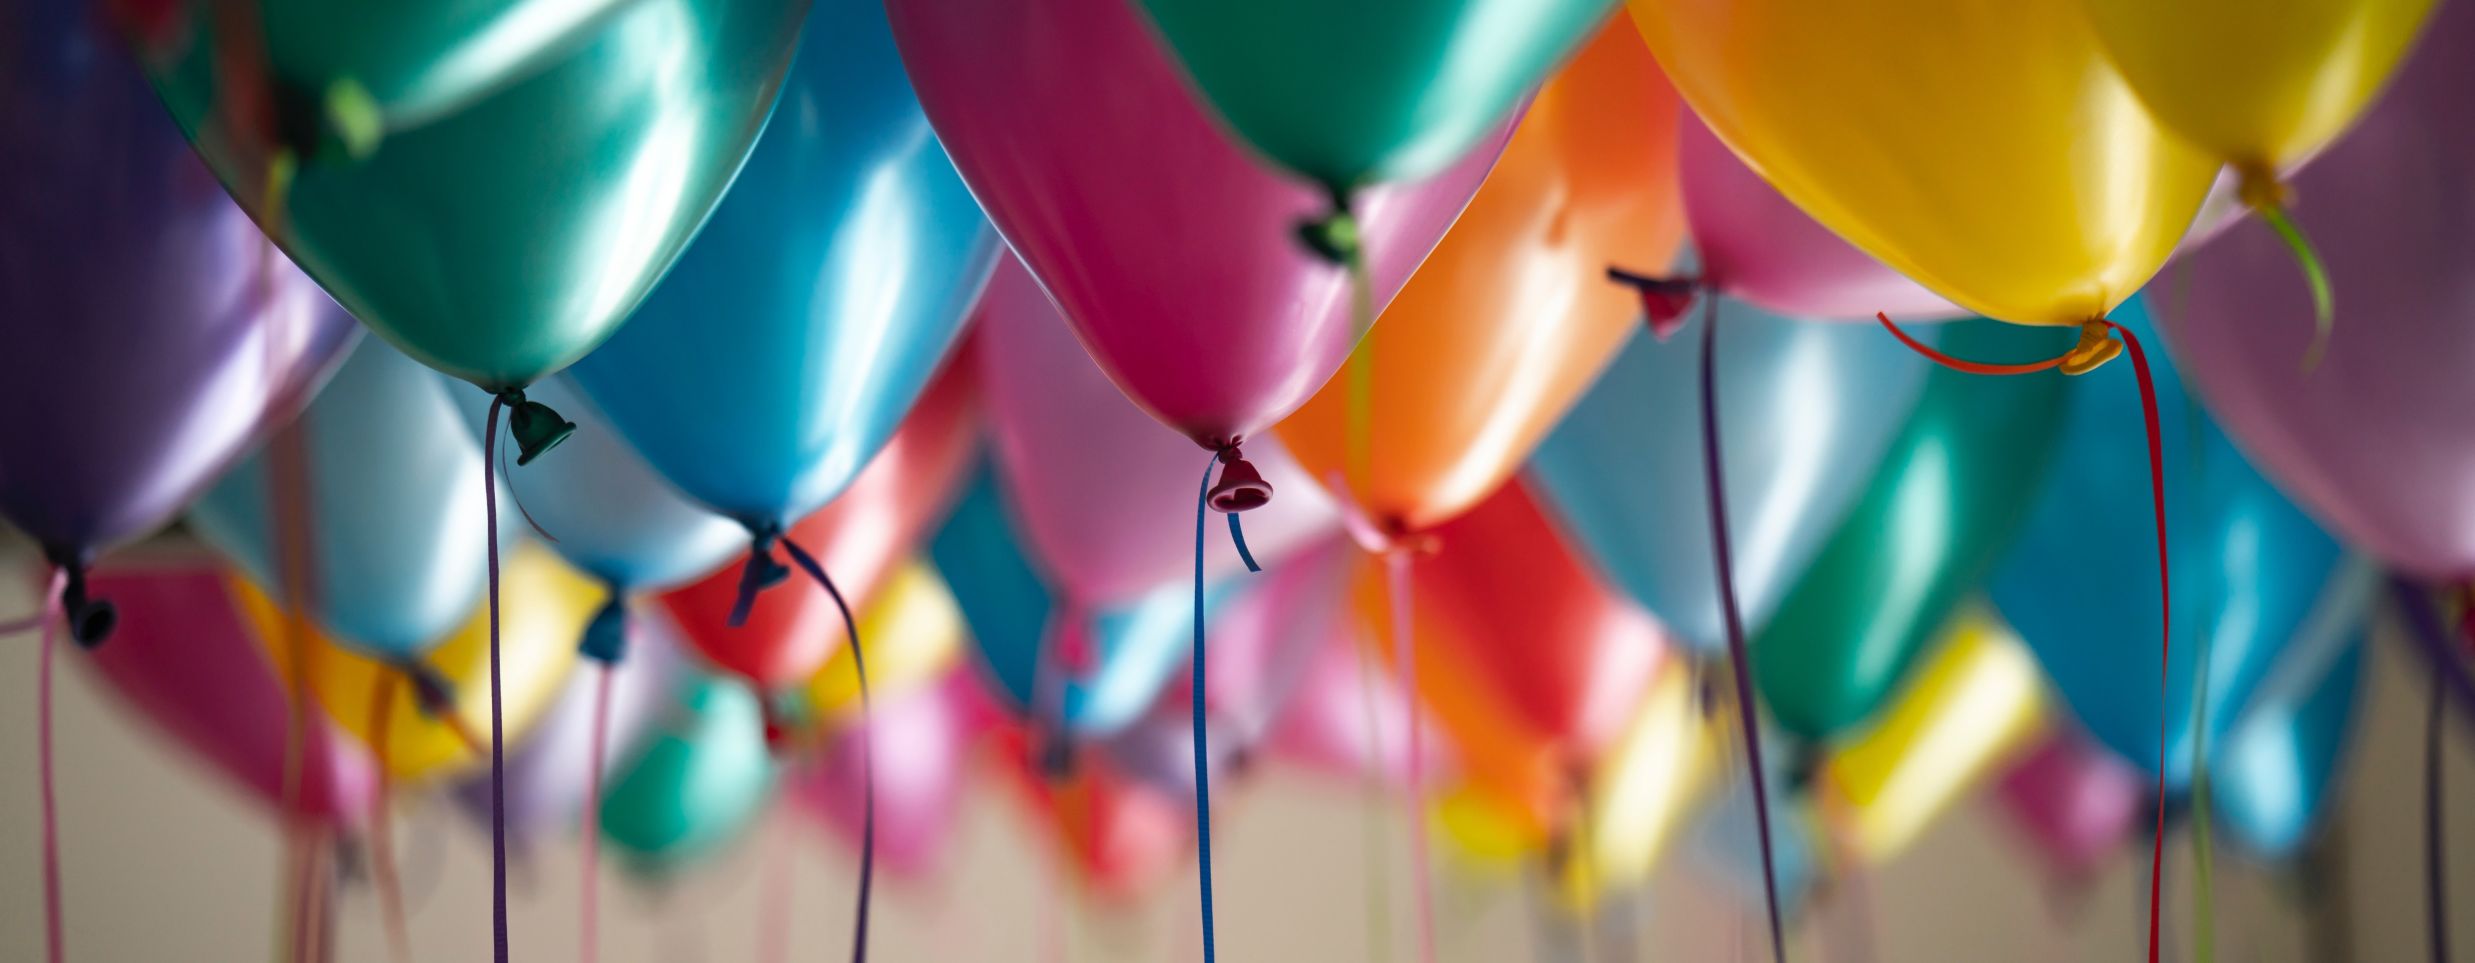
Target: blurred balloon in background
(1350,719)
(1727,839)
(2274,776)
(1640,793)
(1115,837)
(912,635)
(699,783)
(925,740)
(2076,804)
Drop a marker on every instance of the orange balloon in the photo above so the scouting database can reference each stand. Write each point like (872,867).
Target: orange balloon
(1512,317)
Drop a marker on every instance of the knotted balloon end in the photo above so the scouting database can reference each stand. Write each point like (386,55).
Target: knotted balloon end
(2097,346)
(1241,488)
(90,620)
(1334,236)
(605,638)
(762,571)
(2267,196)
(431,692)
(536,427)
(1664,301)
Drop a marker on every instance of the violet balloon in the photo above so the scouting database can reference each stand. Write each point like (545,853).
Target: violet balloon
(1168,247)
(2375,441)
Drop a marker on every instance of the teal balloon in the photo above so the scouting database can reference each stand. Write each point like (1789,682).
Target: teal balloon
(1807,410)
(2255,579)
(501,240)
(397,550)
(702,779)
(1351,93)
(782,352)
(2272,779)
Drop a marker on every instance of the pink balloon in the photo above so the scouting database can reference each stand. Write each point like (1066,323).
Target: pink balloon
(2074,802)
(1107,498)
(1169,247)
(2377,441)
(1757,246)
(923,742)
(184,658)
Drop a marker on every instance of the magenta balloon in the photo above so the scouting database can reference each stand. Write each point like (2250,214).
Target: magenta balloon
(1757,246)
(1171,250)
(2377,441)
(1102,492)
(923,742)
(2076,804)
(184,658)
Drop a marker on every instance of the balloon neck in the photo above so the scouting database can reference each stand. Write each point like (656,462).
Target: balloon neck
(431,692)
(1664,301)
(1333,236)
(90,620)
(2259,187)
(537,427)
(761,571)
(2096,347)
(605,638)
(1241,487)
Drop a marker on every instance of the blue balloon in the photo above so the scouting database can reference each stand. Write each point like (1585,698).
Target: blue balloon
(2271,780)
(2254,578)
(1806,411)
(781,351)
(397,551)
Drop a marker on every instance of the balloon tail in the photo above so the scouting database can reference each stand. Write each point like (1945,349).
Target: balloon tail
(1413,795)
(867,753)
(589,933)
(534,426)
(2273,213)
(1378,869)
(498,754)
(2424,627)
(2436,851)
(1202,760)
(382,841)
(1664,301)
(54,947)
(1714,477)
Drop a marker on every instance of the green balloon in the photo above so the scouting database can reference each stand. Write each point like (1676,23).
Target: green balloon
(1954,487)
(500,241)
(1351,92)
(700,782)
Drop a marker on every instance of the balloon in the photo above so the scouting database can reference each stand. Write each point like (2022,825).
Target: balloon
(1953,487)
(502,240)
(1640,792)
(1099,488)
(2276,775)
(861,537)
(547,605)
(2074,802)
(2366,440)
(1806,413)
(391,561)
(699,784)
(1988,151)
(1508,321)
(923,740)
(1349,719)
(1118,838)
(152,332)
(1483,834)
(911,632)
(2254,578)
(1756,246)
(844,259)
(1350,94)
(185,660)
(1974,704)
(1162,242)
(606,511)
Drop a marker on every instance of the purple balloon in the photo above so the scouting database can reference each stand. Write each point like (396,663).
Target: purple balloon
(148,331)
(2377,441)
(547,772)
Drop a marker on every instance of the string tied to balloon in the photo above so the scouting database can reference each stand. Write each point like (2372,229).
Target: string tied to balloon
(2267,196)
(2097,345)
(864,737)
(604,645)
(53,591)
(1664,301)
(1241,489)
(2450,679)
(381,831)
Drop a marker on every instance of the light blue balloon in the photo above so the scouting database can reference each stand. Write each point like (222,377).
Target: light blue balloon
(698,784)
(2271,781)
(395,514)
(1806,411)
(785,346)
(605,511)
(2251,571)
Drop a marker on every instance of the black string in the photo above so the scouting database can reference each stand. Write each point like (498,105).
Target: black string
(867,760)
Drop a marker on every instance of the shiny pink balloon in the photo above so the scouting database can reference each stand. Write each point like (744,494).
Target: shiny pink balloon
(1169,247)
(184,658)
(2076,804)
(1757,246)
(2377,441)
(923,742)
(1105,496)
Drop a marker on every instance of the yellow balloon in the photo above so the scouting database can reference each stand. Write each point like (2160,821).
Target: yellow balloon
(1976,702)
(1640,795)
(1983,147)
(910,632)
(2257,85)
(1485,835)
(545,606)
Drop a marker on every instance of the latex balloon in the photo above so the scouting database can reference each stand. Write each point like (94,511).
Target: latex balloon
(2254,579)
(393,562)
(697,786)
(846,256)
(607,512)
(185,660)
(2076,804)
(1756,246)
(1163,243)
(1640,792)
(860,538)
(2276,775)
(1357,93)
(923,740)
(499,241)
(152,332)
(1973,705)
(546,606)
(2003,165)
(1479,832)
(1100,489)
(2361,441)
(1953,488)
(1806,412)
(912,634)
(1349,719)
(1507,323)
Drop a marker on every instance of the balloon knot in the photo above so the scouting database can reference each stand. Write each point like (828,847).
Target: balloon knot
(1241,488)
(1664,301)
(537,427)
(1334,235)
(2096,347)
(430,690)
(90,619)
(2259,187)
(762,571)
(605,638)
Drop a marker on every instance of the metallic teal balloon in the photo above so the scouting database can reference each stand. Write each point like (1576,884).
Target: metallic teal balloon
(499,241)
(700,782)
(1350,93)
(394,484)
(785,347)
(2273,777)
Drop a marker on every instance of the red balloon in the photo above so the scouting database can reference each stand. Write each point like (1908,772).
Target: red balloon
(1121,839)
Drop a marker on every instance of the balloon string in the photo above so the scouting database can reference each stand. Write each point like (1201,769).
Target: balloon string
(382,843)
(1961,364)
(1203,769)
(1378,873)
(2315,273)
(867,754)
(1714,477)
(54,947)
(1237,537)
(1413,801)
(1361,368)
(498,755)
(2425,628)
(2435,854)
(589,936)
